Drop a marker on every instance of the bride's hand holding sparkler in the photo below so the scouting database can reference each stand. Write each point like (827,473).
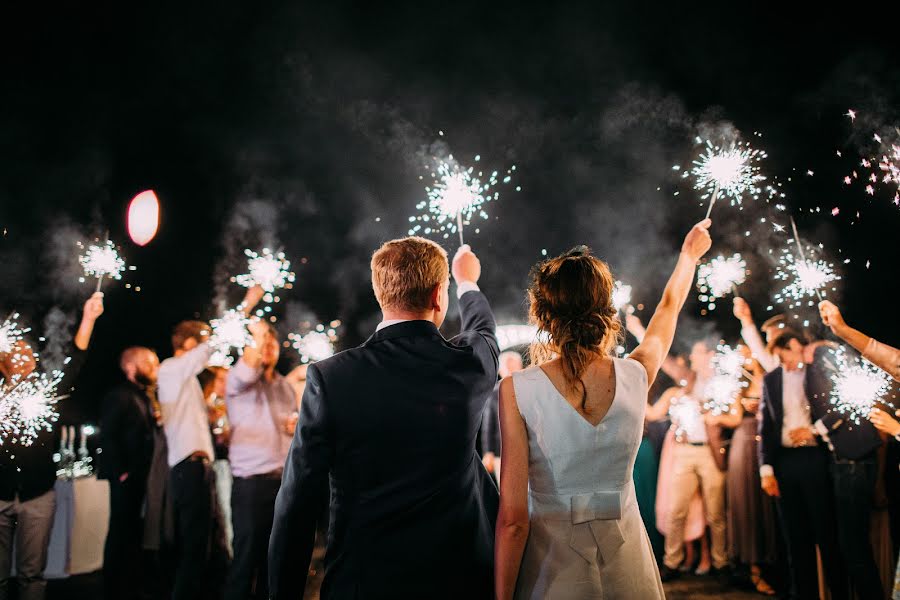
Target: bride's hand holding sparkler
(697,242)
(93,309)
(884,422)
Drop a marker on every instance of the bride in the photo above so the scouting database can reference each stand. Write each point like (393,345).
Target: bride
(569,525)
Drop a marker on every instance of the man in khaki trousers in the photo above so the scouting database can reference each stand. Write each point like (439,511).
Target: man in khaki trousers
(698,464)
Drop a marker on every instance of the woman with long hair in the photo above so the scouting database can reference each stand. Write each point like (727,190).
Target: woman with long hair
(569,524)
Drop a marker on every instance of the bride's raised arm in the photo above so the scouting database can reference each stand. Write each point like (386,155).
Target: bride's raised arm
(656,343)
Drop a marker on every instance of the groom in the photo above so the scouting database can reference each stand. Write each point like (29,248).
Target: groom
(392,425)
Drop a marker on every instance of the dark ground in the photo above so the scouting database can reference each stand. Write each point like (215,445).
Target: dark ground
(86,587)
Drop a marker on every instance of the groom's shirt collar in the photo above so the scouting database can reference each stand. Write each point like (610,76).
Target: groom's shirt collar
(462,288)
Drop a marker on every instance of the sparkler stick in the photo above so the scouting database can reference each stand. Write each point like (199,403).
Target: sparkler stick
(459,225)
(100,277)
(712,202)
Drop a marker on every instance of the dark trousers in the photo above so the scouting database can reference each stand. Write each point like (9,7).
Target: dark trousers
(252,512)
(807,515)
(854,487)
(191,486)
(122,552)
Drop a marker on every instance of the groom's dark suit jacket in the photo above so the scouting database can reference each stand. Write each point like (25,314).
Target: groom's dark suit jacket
(392,424)
(850,440)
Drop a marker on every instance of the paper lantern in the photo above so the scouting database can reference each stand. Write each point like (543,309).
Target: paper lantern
(143,217)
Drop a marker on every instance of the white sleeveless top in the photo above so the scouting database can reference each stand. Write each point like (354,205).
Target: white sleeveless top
(587,539)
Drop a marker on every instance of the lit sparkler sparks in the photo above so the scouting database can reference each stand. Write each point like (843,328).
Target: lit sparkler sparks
(806,278)
(456,195)
(11,333)
(269,270)
(220,358)
(621,296)
(721,392)
(315,345)
(730,172)
(28,407)
(859,386)
(510,336)
(720,276)
(230,331)
(685,415)
(102,261)
(724,388)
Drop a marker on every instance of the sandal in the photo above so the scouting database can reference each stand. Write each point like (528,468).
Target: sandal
(762,586)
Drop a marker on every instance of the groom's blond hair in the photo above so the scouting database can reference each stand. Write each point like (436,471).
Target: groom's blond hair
(406,271)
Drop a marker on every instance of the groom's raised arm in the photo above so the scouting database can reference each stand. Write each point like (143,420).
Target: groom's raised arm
(304,488)
(478,325)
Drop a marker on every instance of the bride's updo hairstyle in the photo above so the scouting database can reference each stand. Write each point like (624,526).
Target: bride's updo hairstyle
(570,299)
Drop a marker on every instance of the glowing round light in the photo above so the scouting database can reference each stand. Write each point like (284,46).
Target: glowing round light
(143,217)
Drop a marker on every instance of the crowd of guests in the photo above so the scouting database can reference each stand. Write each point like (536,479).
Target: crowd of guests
(780,494)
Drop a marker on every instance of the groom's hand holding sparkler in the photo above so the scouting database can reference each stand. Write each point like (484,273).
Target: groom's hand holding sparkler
(697,242)
(466,266)
(884,422)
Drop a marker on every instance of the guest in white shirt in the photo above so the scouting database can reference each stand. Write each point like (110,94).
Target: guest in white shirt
(262,411)
(771,328)
(696,468)
(186,424)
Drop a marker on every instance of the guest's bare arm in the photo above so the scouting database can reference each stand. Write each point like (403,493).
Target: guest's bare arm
(93,308)
(251,299)
(882,355)
(512,520)
(661,330)
(659,411)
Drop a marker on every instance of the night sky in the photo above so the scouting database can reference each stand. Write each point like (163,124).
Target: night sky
(307,128)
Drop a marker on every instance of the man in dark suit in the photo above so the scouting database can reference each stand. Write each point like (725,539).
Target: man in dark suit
(794,466)
(127,430)
(393,424)
(854,471)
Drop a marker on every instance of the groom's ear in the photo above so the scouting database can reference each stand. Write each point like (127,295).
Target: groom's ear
(436,296)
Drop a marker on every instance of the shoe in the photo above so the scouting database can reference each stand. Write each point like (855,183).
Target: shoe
(701,571)
(668,574)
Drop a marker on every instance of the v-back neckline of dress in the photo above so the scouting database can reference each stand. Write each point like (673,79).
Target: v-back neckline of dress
(574,410)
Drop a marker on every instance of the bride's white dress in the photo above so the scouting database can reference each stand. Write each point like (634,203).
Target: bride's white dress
(587,539)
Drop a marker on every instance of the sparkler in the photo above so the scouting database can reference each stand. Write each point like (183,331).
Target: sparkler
(723,389)
(621,296)
(316,345)
(29,407)
(102,261)
(455,196)
(270,271)
(731,172)
(720,276)
(806,277)
(859,386)
(11,333)
(684,414)
(220,358)
(230,331)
